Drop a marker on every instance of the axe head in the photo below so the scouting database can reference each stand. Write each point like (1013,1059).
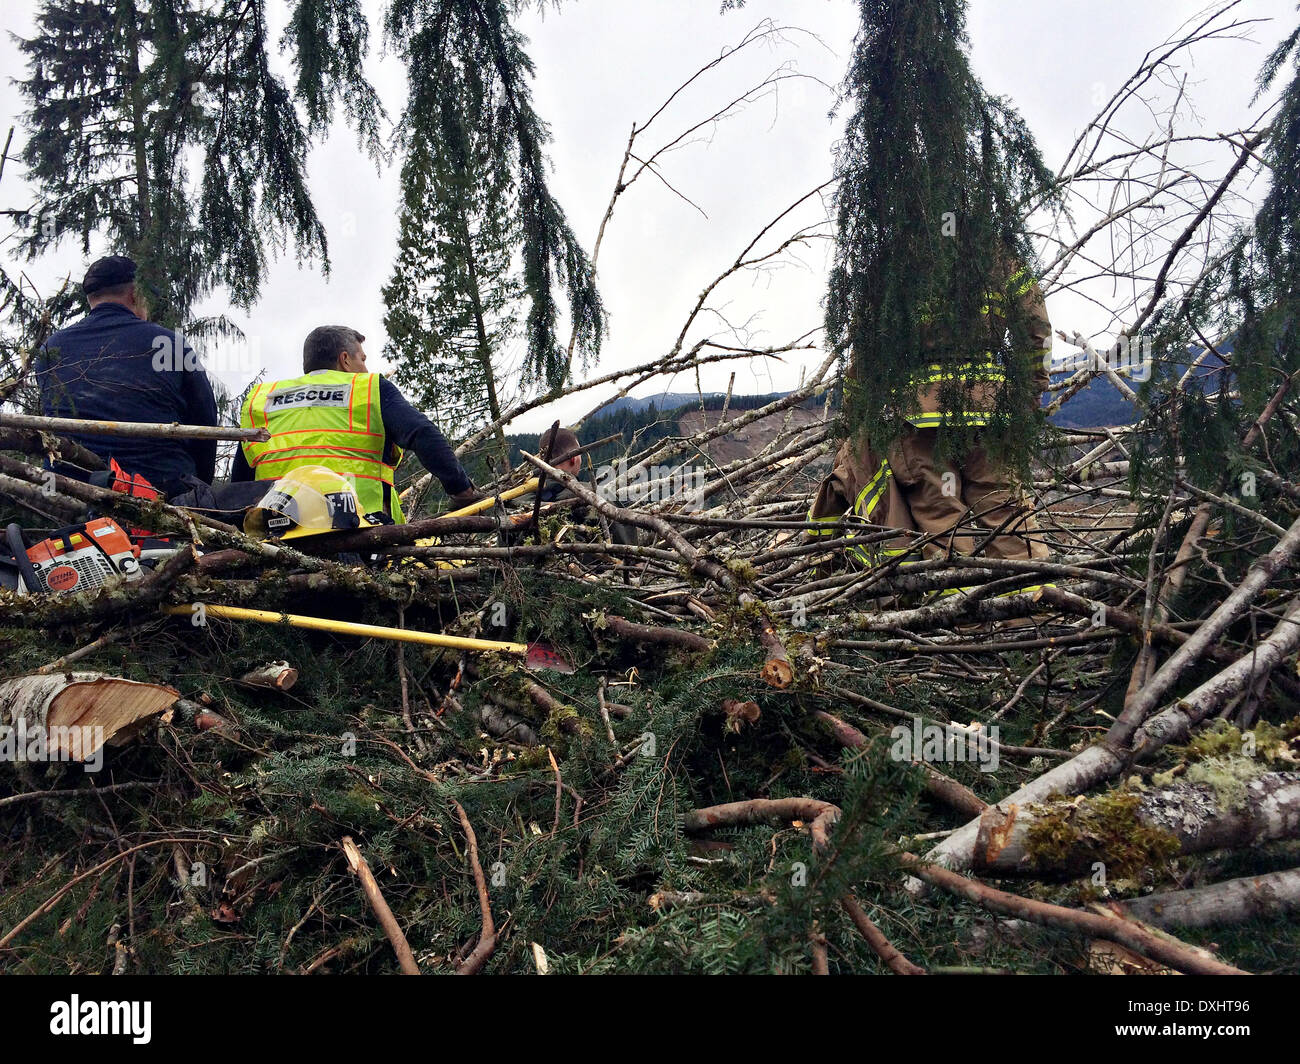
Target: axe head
(541,656)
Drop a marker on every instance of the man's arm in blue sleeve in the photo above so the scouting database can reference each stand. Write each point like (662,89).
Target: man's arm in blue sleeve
(410,429)
(240,471)
(200,409)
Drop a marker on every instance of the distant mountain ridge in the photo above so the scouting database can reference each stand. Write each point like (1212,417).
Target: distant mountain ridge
(642,420)
(1100,403)
(663,401)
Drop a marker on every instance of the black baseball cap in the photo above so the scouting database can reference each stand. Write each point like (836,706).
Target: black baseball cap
(108,272)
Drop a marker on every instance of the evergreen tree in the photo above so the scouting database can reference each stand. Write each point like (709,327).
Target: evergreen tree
(1247,303)
(1265,270)
(128,98)
(454,297)
(484,247)
(934,174)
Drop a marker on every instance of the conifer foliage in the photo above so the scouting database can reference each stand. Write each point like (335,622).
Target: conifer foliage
(484,249)
(1239,319)
(161,126)
(1266,268)
(934,176)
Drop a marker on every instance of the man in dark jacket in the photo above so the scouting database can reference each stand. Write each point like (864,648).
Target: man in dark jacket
(115,365)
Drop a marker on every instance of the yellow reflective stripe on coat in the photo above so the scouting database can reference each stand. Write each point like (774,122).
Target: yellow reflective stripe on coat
(961,417)
(960,374)
(982,368)
(1001,594)
(1023,282)
(1022,590)
(868,499)
(875,488)
(969,371)
(986,372)
(945,592)
(986,363)
(872,554)
(822,521)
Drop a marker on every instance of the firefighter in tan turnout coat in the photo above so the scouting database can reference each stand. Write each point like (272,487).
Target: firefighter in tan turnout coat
(909,488)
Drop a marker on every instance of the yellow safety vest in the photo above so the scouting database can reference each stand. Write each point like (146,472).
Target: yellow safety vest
(327,418)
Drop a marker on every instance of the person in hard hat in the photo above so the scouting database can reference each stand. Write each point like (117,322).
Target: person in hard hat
(911,489)
(566,455)
(340,416)
(116,365)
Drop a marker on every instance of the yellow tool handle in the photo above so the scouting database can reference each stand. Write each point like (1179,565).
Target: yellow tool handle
(473,508)
(366,631)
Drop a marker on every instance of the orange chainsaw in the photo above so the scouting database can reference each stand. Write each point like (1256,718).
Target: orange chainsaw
(80,557)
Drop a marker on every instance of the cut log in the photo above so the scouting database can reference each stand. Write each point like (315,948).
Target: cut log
(565,718)
(276,675)
(739,713)
(33,442)
(201,718)
(496,721)
(1092,765)
(776,671)
(1067,838)
(76,713)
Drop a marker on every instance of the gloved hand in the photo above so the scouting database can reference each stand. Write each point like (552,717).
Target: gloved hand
(468,496)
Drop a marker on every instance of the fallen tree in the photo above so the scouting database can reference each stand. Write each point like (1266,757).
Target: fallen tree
(1234,901)
(72,715)
(1133,830)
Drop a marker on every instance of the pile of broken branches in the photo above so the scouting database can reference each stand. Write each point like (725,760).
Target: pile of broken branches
(1109,736)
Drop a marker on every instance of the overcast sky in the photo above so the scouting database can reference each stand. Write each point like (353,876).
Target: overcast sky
(601,64)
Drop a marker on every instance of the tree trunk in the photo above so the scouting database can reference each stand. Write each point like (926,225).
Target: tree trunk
(76,713)
(1065,839)
(144,221)
(1234,901)
(483,352)
(1085,770)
